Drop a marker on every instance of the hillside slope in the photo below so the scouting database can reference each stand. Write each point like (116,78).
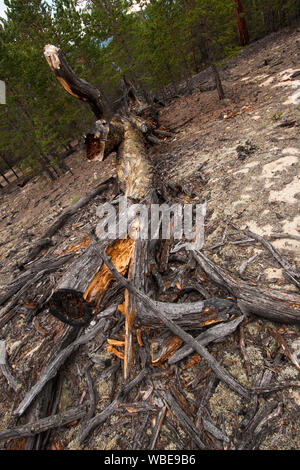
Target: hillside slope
(241,156)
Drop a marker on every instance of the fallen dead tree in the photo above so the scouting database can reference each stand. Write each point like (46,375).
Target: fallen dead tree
(127,276)
(136,178)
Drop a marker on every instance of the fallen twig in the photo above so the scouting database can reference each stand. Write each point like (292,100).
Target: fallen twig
(214,333)
(55,421)
(212,429)
(244,352)
(244,265)
(184,420)
(275,388)
(12,382)
(158,426)
(163,133)
(92,400)
(101,417)
(292,275)
(155,140)
(285,347)
(284,235)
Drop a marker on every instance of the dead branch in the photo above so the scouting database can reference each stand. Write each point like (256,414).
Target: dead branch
(75,86)
(58,224)
(285,347)
(292,275)
(215,333)
(46,266)
(212,429)
(100,418)
(267,303)
(5,369)
(158,426)
(92,400)
(51,422)
(184,420)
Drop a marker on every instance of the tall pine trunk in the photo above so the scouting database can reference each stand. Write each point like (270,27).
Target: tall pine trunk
(241,23)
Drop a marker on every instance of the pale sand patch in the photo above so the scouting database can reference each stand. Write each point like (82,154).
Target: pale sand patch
(286,74)
(289,83)
(242,200)
(291,151)
(273,273)
(293,99)
(263,231)
(295,394)
(258,77)
(292,228)
(243,171)
(288,193)
(278,165)
(252,164)
(247,189)
(295,84)
(267,82)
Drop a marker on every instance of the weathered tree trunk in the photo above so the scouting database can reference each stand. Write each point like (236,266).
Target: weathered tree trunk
(267,303)
(82,290)
(218,82)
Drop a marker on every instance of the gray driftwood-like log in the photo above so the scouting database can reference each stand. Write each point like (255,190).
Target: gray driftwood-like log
(267,303)
(67,302)
(195,315)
